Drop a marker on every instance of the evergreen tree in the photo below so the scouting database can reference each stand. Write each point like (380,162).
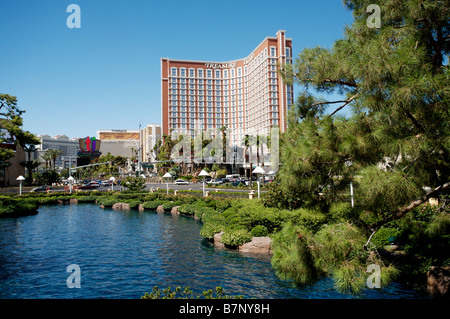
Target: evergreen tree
(394,143)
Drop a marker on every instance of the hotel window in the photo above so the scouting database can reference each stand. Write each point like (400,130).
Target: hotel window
(288,52)
(273,51)
(239,71)
(217,76)
(209,73)
(182,72)
(225,74)
(200,73)
(191,73)
(173,71)
(232,73)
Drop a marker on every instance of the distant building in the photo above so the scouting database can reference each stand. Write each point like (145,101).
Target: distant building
(11,169)
(150,135)
(69,146)
(119,142)
(131,143)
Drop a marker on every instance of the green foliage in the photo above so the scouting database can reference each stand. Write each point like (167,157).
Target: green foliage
(381,237)
(109,202)
(10,207)
(308,218)
(259,231)
(210,229)
(383,191)
(187,293)
(134,203)
(234,237)
(292,259)
(134,183)
(152,205)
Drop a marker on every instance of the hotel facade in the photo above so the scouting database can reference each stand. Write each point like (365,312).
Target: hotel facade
(247,95)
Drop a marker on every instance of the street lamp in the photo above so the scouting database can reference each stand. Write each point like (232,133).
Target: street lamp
(112,179)
(167,175)
(20,179)
(70,180)
(203,174)
(258,170)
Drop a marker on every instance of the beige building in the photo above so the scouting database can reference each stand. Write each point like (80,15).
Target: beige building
(131,143)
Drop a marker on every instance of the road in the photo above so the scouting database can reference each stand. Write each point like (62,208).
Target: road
(163,186)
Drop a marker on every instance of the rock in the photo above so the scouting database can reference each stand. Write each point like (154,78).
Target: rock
(160,209)
(73,201)
(117,206)
(125,206)
(141,207)
(218,240)
(438,282)
(258,245)
(175,210)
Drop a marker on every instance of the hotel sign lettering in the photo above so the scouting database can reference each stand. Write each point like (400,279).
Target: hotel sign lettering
(220,65)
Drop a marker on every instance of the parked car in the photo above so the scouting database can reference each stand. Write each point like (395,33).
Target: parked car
(42,188)
(181,182)
(90,185)
(215,181)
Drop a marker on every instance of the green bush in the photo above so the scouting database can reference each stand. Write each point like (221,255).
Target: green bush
(152,204)
(108,202)
(381,237)
(10,207)
(234,237)
(134,204)
(340,210)
(87,199)
(210,229)
(259,231)
(311,219)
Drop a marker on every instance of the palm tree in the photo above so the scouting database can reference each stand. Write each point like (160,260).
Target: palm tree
(53,154)
(48,160)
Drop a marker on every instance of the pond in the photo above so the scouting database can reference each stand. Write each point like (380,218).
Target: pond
(123,254)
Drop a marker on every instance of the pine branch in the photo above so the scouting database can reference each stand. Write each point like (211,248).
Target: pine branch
(343,105)
(400,213)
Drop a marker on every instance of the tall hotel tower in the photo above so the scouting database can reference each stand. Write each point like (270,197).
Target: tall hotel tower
(247,95)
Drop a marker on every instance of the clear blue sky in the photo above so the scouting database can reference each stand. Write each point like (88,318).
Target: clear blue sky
(106,75)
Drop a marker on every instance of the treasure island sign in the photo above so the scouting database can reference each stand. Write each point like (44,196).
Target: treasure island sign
(88,151)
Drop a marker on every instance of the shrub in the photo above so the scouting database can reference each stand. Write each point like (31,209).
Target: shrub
(311,219)
(134,204)
(234,237)
(152,204)
(381,237)
(340,210)
(108,202)
(259,231)
(210,229)
(10,207)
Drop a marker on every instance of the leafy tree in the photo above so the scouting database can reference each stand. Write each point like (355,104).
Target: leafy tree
(396,140)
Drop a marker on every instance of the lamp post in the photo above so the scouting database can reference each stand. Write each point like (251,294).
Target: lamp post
(70,180)
(20,179)
(203,174)
(112,179)
(258,170)
(167,175)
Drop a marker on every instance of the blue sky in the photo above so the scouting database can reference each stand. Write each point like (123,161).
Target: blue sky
(106,75)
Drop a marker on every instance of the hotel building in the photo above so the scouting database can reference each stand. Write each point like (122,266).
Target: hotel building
(248,96)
